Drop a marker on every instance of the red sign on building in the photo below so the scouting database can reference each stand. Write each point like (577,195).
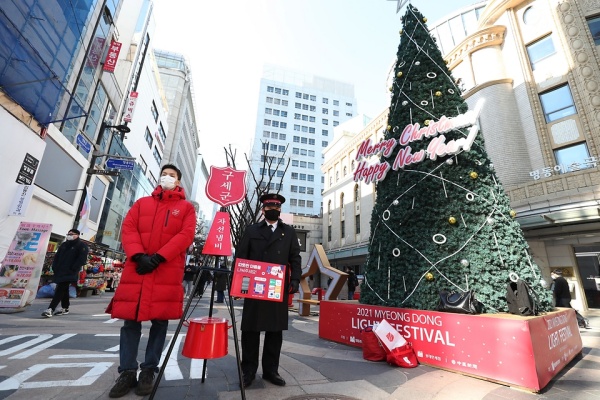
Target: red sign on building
(130,106)
(226,186)
(110,62)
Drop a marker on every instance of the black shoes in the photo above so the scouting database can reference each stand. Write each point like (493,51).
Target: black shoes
(274,378)
(126,381)
(247,378)
(145,383)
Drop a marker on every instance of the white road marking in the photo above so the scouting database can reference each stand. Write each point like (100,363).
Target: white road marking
(111,321)
(64,356)
(18,381)
(14,349)
(196,368)
(172,370)
(41,347)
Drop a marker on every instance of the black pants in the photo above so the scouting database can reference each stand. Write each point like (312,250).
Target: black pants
(61,295)
(565,302)
(270,356)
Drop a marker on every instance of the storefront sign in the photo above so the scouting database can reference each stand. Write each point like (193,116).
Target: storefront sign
(21,201)
(130,106)
(547,172)
(95,52)
(22,266)
(28,170)
(520,351)
(110,62)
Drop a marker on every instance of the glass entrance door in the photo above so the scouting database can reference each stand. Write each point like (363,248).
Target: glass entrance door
(588,263)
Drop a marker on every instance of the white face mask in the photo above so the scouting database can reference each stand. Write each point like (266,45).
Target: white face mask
(167,182)
(70,237)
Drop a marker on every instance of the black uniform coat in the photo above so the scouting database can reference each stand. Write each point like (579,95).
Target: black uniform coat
(280,247)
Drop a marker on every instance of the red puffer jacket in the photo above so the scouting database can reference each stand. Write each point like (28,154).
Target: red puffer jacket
(164,223)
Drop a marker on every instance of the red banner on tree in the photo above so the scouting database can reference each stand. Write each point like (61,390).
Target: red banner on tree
(226,186)
(218,241)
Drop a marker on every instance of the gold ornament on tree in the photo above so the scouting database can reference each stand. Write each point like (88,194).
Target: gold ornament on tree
(438,93)
(452,220)
(399,74)
(429,276)
(424,19)
(389,127)
(401,31)
(473,175)
(513,213)
(427,122)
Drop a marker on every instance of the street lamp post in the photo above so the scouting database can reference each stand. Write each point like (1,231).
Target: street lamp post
(123,129)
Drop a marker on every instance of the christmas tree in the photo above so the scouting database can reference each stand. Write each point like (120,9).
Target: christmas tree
(442,219)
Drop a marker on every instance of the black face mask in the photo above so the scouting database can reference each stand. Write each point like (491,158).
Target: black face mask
(272,215)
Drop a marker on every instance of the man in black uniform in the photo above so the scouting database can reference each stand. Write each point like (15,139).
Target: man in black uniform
(270,240)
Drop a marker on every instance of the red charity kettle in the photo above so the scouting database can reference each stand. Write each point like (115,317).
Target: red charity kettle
(206,338)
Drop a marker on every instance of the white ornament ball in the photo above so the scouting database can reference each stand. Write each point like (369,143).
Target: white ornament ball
(491,221)
(396,202)
(464,262)
(418,63)
(404,102)
(449,161)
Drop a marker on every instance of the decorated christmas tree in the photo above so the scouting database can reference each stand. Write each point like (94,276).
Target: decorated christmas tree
(442,219)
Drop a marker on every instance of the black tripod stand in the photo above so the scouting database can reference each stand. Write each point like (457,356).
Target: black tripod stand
(197,280)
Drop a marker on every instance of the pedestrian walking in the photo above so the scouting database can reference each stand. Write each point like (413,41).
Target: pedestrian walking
(188,279)
(352,283)
(156,234)
(221,279)
(273,241)
(562,296)
(68,260)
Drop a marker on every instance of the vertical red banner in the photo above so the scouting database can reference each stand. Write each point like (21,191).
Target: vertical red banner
(110,62)
(218,241)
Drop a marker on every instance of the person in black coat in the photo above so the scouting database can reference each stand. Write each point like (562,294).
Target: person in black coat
(189,273)
(562,296)
(70,257)
(221,283)
(273,241)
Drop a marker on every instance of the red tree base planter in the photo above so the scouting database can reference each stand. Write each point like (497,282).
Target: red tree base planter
(524,352)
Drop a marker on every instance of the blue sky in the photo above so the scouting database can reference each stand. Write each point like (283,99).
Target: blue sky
(228,42)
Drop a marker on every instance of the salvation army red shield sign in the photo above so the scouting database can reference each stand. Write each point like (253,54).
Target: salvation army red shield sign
(226,186)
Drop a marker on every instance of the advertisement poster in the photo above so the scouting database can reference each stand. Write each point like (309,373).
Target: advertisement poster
(258,280)
(522,351)
(21,269)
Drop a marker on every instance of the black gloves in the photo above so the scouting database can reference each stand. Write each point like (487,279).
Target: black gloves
(147,263)
(293,286)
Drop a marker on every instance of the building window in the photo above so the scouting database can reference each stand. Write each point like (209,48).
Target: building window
(309,203)
(336,113)
(357,223)
(294,189)
(281,148)
(324,143)
(295,163)
(278,90)
(294,175)
(594,25)
(293,202)
(325,111)
(268,111)
(161,132)
(302,177)
(148,137)
(336,123)
(313,108)
(301,203)
(336,102)
(284,114)
(270,89)
(325,122)
(349,104)
(310,190)
(298,105)
(557,103)
(540,50)
(284,103)
(142,163)
(345,171)
(356,193)
(157,156)
(302,189)
(573,157)
(154,111)
(305,96)
(329,233)
(342,202)
(325,100)
(325,132)
(313,98)
(343,229)
(269,100)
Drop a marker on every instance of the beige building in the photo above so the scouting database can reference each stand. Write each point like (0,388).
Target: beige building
(536,67)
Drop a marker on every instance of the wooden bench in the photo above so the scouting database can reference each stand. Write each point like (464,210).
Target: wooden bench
(304,306)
